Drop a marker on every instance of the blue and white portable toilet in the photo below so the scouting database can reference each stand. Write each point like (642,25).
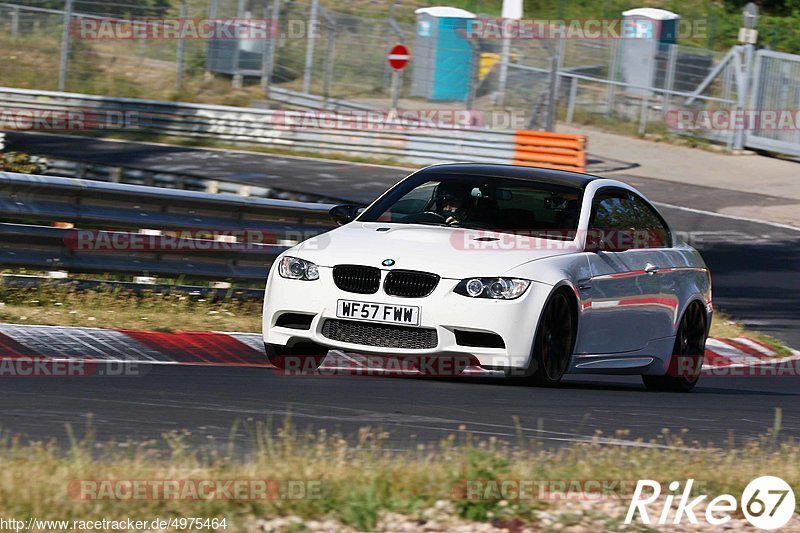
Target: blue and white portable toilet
(648,31)
(442,57)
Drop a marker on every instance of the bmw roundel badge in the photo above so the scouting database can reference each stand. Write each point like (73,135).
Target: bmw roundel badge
(388,262)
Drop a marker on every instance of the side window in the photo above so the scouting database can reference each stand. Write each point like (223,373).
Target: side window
(612,210)
(651,229)
(612,223)
(622,220)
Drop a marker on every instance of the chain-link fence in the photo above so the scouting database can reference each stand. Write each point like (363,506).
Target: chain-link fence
(311,48)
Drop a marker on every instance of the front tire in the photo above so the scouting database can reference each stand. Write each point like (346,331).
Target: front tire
(686,362)
(554,343)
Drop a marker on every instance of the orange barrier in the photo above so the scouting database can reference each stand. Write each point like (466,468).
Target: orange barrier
(562,151)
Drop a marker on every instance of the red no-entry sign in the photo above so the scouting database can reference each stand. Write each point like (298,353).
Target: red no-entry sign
(398,57)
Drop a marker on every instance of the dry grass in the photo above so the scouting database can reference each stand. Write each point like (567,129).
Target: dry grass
(360,477)
(121,309)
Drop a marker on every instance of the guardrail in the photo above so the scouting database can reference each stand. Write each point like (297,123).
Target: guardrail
(352,134)
(87,226)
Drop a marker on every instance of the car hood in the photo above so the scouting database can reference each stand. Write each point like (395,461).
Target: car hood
(449,252)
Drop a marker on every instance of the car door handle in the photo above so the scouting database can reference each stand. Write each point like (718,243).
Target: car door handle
(651,269)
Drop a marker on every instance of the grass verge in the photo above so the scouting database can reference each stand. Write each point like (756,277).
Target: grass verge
(58,306)
(357,481)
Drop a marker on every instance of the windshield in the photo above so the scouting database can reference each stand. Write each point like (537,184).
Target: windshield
(479,202)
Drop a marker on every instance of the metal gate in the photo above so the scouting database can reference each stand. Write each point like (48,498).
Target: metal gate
(776,87)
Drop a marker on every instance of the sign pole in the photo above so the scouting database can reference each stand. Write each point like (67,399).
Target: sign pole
(395,87)
(512,10)
(398,59)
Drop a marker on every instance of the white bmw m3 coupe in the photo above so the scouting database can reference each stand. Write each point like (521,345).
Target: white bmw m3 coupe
(534,272)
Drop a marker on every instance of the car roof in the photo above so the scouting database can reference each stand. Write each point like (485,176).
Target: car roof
(541,175)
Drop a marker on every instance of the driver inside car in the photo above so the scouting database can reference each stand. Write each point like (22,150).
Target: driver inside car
(453,203)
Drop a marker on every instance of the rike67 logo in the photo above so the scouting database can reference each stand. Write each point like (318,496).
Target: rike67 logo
(767,502)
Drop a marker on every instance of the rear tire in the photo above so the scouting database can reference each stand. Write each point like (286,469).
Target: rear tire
(687,354)
(302,358)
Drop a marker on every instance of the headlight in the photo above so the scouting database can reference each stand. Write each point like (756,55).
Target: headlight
(296,268)
(494,288)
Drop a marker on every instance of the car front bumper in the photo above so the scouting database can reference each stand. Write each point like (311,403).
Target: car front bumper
(444,311)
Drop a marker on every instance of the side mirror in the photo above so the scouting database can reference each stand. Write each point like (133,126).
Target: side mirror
(342,214)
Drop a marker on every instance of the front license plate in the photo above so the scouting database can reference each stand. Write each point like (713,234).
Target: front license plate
(392,314)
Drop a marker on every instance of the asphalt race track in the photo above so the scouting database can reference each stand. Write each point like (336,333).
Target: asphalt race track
(208,401)
(754,267)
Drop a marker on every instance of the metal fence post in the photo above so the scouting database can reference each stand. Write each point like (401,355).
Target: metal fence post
(726,94)
(268,58)
(312,35)
(743,91)
(330,26)
(142,40)
(503,77)
(237,80)
(474,73)
(561,50)
(573,94)
(643,114)
(181,50)
(212,16)
(550,123)
(14,22)
(671,65)
(63,69)
(326,91)
(612,76)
